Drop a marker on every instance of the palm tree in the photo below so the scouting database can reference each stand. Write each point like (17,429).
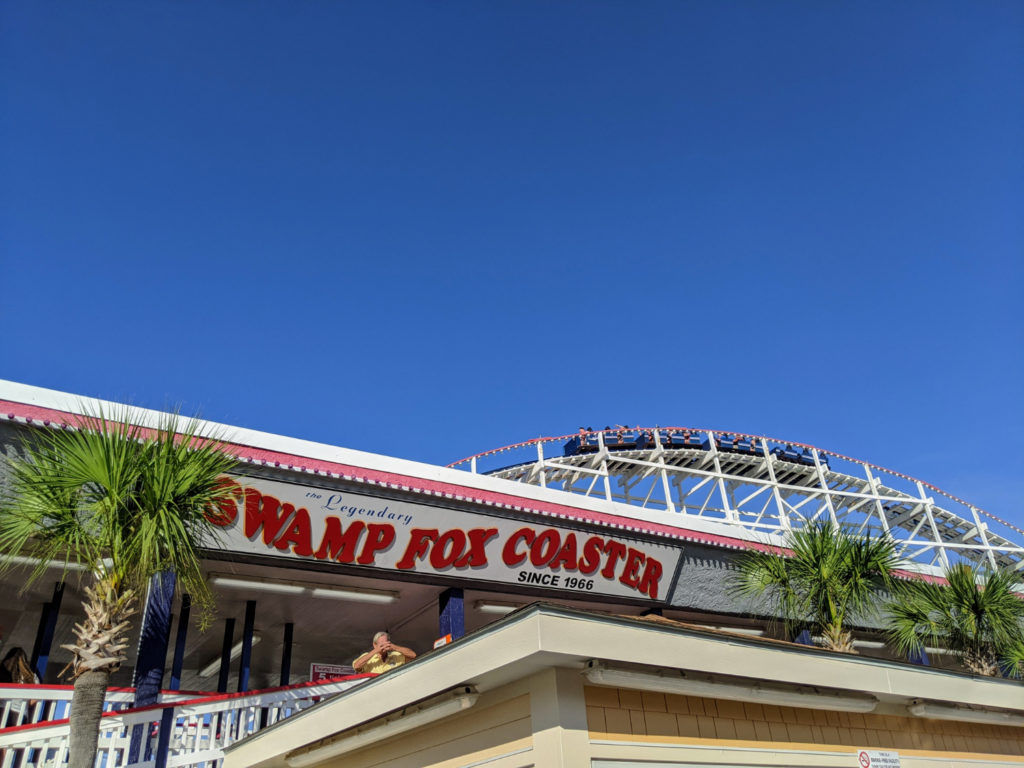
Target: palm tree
(127,503)
(831,577)
(977,615)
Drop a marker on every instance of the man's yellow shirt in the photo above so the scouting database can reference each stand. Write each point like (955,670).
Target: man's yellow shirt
(376,666)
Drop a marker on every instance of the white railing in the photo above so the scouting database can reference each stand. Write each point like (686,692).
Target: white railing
(28,704)
(200,727)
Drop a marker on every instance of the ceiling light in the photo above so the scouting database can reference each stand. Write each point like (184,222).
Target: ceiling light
(355,594)
(879,644)
(754,631)
(868,644)
(487,606)
(236,650)
(673,681)
(963,714)
(35,561)
(429,711)
(261,585)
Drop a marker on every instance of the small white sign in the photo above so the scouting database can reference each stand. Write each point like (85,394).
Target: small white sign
(872,758)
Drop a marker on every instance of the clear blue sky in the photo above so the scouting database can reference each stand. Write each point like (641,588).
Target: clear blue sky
(431,228)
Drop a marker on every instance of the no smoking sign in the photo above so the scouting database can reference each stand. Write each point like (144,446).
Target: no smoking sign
(872,758)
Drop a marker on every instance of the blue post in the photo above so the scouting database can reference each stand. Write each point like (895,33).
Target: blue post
(156,631)
(225,656)
(286,654)
(286,667)
(452,613)
(167,719)
(149,667)
(225,670)
(44,619)
(246,661)
(179,642)
(804,638)
(919,657)
(44,635)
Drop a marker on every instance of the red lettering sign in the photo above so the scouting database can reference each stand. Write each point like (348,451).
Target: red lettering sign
(289,529)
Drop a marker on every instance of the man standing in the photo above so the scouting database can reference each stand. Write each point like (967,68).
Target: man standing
(385,655)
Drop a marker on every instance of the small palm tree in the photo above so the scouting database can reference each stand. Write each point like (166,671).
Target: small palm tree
(126,502)
(831,577)
(977,615)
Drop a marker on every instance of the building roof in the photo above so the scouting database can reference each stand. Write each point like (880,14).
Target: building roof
(36,406)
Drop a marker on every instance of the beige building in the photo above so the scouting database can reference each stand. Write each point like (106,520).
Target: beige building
(552,686)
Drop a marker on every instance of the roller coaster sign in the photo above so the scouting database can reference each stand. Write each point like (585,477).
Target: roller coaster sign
(264,517)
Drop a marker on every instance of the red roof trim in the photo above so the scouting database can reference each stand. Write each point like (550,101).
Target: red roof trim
(54,418)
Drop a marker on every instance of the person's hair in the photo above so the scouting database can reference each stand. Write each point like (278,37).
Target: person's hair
(379,635)
(21,672)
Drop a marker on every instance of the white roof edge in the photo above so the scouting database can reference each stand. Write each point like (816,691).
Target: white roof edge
(543,636)
(63,401)
(49,398)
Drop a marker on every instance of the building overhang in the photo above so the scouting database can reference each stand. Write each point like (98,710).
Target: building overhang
(542,637)
(304,459)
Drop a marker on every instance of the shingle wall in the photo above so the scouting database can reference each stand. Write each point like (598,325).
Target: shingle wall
(617,713)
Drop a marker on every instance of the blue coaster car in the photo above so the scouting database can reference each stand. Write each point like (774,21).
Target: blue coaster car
(787,454)
(726,443)
(683,440)
(628,440)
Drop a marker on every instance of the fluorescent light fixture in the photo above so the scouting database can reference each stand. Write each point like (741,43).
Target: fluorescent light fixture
(429,711)
(753,631)
(355,594)
(868,644)
(963,714)
(34,562)
(500,609)
(674,681)
(236,650)
(260,585)
(879,644)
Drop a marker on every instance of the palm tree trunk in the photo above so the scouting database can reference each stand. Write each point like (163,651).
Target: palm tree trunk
(838,638)
(99,650)
(84,720)
(981,663)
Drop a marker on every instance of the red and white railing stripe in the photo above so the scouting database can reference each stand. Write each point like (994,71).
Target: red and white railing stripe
(29,704)
(202,726)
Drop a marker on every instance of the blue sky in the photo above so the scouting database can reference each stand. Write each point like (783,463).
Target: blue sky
(428,229)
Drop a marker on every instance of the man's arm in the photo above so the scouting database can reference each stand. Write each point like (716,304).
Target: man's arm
(409,653)
(360,661)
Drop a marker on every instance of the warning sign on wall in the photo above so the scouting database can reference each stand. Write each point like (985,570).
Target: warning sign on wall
(872,758)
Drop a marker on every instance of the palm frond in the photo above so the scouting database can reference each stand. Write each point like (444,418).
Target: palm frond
(831,576)
(978,615)
(116,498)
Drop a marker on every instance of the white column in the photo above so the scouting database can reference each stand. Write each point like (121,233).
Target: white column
(558,714)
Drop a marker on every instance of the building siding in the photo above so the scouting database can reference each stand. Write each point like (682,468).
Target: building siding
(627,715)
(480,734)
